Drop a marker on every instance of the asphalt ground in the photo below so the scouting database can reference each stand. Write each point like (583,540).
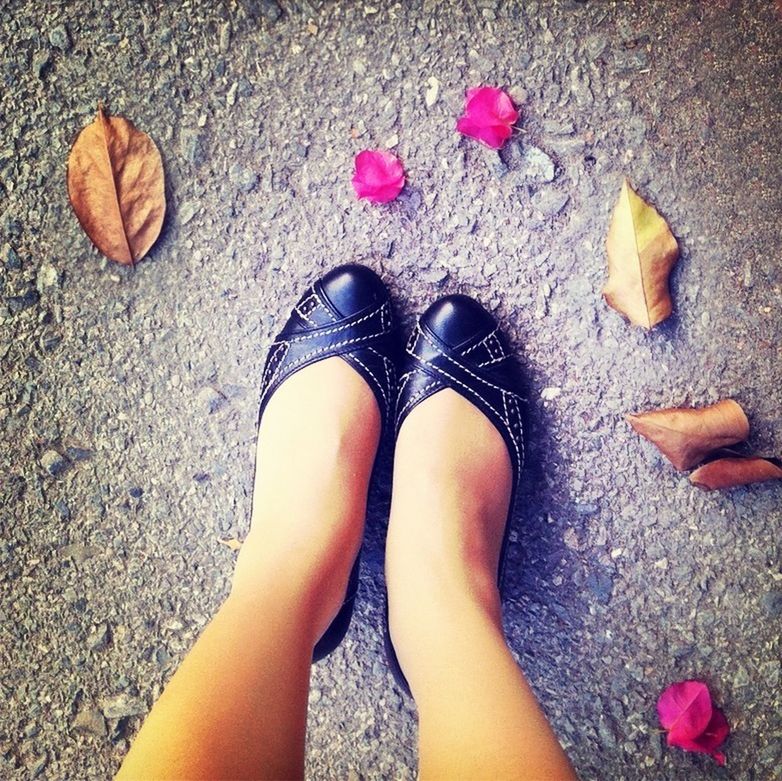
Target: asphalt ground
(622,577)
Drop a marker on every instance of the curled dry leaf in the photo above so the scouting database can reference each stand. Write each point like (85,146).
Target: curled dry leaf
(686,436)
(641,253)
(735,471)
(115,185)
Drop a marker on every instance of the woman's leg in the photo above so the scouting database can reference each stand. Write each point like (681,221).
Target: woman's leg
(478,716)
(237,706)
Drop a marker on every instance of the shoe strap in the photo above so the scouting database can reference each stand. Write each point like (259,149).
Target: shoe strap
(315,331)
(475,372)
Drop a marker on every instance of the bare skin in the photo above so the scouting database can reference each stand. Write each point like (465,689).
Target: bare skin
(478,715)
(237,706)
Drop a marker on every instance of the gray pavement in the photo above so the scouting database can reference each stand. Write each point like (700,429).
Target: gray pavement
(622,577)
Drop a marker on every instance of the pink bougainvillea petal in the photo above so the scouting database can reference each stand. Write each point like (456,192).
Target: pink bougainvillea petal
(693,723)
(493,136)
(379,176)
(492,104)
(488,116)
(685,709)
(715,734)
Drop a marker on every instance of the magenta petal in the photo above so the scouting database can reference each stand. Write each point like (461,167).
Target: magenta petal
(493,136)
(489,104)
(685,710)
(717,730)
(379,176)
(488,116)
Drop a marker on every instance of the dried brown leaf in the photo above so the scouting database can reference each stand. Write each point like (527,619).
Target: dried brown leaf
(732,472)
(686,436)
(641,253)
(116,188)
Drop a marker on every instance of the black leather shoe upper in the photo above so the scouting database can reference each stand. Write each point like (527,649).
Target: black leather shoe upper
(352,288)
(346,313)
(457,344)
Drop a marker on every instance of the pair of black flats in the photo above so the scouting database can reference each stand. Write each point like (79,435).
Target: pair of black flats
(456,344)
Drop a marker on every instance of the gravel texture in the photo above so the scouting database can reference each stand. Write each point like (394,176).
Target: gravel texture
(128,397)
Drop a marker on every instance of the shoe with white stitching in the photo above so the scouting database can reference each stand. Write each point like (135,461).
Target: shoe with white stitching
(457,344)
(346,313)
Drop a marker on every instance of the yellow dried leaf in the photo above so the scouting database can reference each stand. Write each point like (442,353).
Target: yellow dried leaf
(115,185)
(641,253)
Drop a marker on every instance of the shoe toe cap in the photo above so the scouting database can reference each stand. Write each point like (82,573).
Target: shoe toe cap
(353,288)
(457,319)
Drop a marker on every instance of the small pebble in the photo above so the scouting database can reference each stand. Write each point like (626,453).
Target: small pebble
(432,91)
(90,721)
(78,453)
(18,304)
(42,61)
(186,212)
(121,705)
(59,38)
(210,400)
(38,764)
(549,202)
(225,37)
(99,638)
(12,260)
(54,463)
(772,603)
(537,165)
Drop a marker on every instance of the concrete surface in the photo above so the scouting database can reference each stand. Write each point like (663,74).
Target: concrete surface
(622,577)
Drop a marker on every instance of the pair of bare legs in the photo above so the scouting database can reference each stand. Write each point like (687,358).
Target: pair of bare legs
(237,706)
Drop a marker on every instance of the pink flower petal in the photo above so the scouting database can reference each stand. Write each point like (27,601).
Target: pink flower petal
(379,176)
(488,116)
(685,710)
(715,734)
(493,136)
(491,104)
(693,723)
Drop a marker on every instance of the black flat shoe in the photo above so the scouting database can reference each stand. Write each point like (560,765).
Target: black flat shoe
(457,344)
(346,313)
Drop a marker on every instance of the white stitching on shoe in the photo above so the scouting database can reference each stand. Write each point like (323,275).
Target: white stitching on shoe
(491,361)
(328,347)
(274,363)
(342,327)
(479,344)
(304,316)
(461,366)
(372,375)
(386,363)
(502,391)
(517,418)
(403,380)
(413,399)
(308,304)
